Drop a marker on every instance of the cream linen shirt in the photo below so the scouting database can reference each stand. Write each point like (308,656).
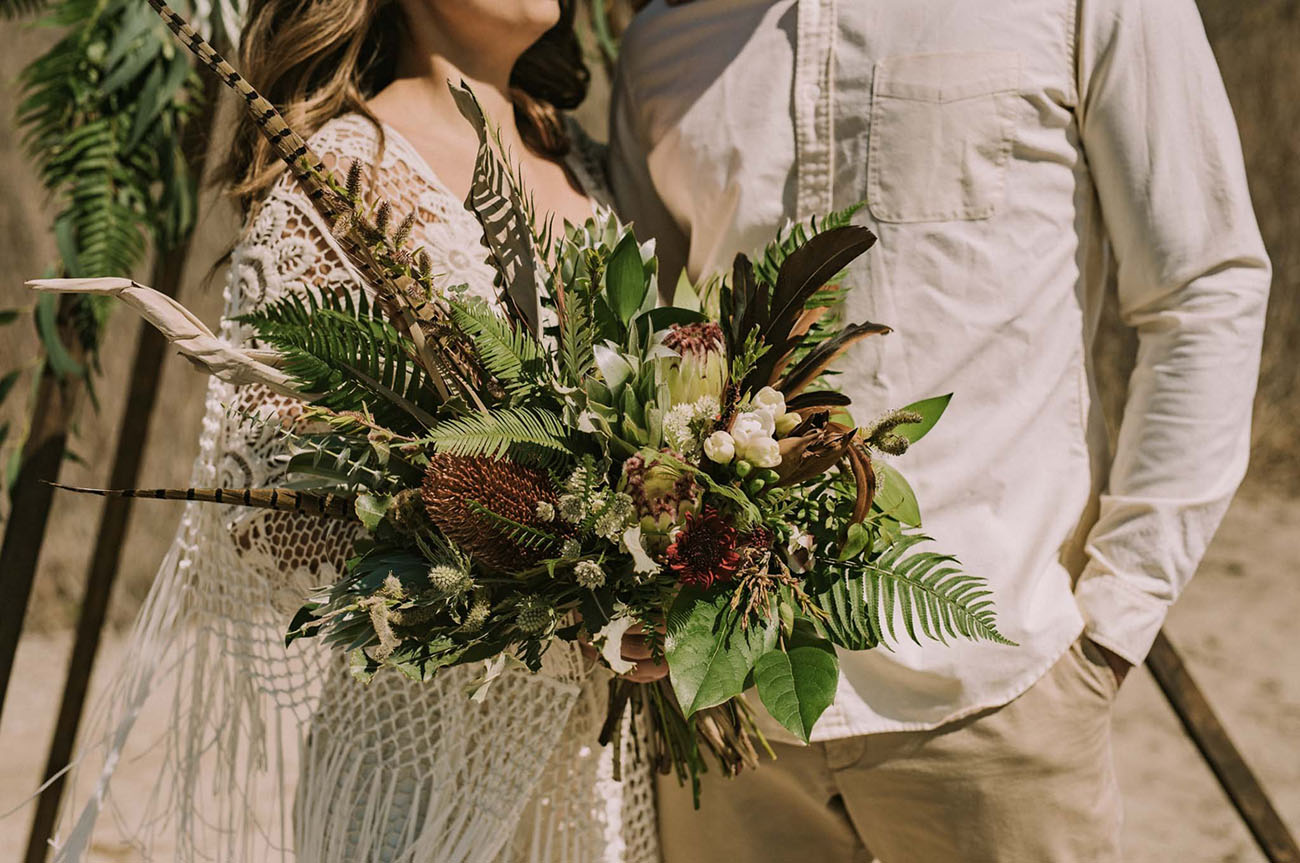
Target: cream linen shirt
(1018,158)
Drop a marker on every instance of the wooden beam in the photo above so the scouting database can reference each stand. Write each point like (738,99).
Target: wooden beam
(1235,777)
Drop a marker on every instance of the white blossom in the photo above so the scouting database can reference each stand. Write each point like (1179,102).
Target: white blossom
(720,447)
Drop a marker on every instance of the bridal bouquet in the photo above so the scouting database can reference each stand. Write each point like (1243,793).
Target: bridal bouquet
(580,459)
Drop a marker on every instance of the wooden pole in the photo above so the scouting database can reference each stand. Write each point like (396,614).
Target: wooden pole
(1210,737)
(141,400)
(42,456)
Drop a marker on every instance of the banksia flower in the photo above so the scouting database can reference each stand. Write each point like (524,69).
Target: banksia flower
(704,552)
(534,615)
(488,508)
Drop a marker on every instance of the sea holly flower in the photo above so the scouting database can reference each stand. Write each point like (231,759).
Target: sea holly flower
(704,552)
(451,581)
(701,367)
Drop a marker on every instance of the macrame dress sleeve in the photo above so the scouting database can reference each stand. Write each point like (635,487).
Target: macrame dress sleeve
(277,753)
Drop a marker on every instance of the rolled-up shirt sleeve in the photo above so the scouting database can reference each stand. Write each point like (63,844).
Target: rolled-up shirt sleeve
(1193,279)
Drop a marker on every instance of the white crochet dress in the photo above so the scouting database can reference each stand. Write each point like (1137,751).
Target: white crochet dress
(391,772)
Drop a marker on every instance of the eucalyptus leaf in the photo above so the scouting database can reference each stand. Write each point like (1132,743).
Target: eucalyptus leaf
(797,684)
(709,655)
(371,509)
(931,409)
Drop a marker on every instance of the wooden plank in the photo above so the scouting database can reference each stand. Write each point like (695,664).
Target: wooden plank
(1235,777)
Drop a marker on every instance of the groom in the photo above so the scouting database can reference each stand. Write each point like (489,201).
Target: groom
(1018,159)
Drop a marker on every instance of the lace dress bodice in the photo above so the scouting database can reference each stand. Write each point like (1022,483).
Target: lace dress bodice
(395,770)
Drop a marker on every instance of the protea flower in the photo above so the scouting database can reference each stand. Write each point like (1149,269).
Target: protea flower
(660,490)
(813,448)
(705,551)
(462,493)
(702,368)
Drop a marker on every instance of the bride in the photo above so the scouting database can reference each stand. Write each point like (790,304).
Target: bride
(275,751)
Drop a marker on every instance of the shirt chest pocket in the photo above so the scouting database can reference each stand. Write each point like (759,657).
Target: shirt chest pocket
(942,126)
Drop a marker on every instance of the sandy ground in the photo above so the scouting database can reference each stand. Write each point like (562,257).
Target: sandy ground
(1234,626)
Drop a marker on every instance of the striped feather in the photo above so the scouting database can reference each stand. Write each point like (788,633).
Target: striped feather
(279,499)
(361,238)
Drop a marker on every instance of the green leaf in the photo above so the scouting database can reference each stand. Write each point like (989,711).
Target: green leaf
(516,431)
(371,508)
(708,654)
(626,284)
(858,537)
(797,684)
(894,496)
(664,317)
(305,624)
(684,294)
(931,409)
(60,360)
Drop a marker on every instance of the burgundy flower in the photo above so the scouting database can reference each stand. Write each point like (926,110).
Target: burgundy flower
(704,553)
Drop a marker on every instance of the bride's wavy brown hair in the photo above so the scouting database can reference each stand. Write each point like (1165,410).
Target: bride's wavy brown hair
(318,59)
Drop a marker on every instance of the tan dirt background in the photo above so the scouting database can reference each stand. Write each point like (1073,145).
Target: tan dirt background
(1235,624)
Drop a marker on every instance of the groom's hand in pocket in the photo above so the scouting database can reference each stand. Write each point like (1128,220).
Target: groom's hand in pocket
(1119,666)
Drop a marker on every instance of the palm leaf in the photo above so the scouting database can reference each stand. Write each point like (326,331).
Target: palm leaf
(794,236)
(803,274)
(502,210)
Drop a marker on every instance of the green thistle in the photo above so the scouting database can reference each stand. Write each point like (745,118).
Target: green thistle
(534,615)
(450,581)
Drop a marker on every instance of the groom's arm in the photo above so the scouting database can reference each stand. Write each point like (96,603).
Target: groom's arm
(1193,277)
(634,188)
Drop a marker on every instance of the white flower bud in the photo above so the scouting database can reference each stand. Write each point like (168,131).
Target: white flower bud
(720,447)
(751,426)
(770,400)
(762,452)
(787,422)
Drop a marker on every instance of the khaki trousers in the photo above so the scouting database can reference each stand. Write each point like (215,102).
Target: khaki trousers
(1030,782)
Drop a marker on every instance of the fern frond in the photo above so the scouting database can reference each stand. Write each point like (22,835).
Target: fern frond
(20,8)
(795,235)
(927,590)
(516,431)
(523,535)
(513,355)
(347,351)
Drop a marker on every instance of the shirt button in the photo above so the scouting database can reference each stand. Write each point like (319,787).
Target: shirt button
(808,93)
